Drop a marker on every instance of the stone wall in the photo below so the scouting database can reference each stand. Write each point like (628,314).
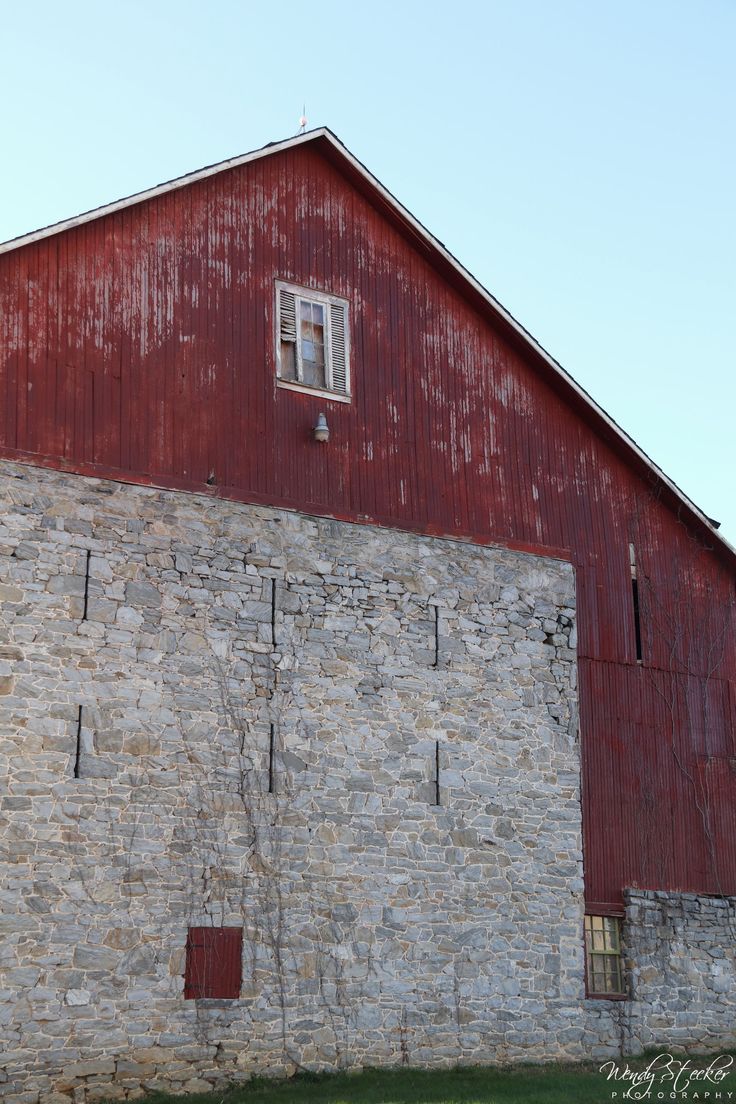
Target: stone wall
(680,951)
(166,659)
(679,959)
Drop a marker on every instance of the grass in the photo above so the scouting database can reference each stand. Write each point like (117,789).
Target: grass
(526,1084)
(550,1084)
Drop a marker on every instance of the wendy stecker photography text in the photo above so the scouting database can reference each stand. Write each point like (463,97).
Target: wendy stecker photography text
(668,1077)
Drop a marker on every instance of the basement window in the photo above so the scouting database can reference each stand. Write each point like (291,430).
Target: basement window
(214,963)
(604,975)
(312,347)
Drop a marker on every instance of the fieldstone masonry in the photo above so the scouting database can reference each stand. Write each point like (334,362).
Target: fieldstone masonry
(356,744)
(681,952)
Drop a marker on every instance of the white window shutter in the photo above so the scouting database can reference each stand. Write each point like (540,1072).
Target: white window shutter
(338,348)
(287,315)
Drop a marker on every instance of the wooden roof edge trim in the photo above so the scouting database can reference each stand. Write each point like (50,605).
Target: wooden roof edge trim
(437,251)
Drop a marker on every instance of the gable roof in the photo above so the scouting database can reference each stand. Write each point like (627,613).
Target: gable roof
(330,146)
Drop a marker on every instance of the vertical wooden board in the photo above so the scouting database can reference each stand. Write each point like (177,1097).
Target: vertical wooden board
(716,782)
(25,260)
(112,448)
(12,340)
(232,963)
(195,975)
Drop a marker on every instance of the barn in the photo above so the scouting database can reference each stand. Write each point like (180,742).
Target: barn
(368,695)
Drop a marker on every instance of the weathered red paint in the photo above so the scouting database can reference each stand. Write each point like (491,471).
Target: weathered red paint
(213,967)
(140,346)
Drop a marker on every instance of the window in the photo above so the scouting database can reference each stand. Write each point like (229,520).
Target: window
(312,349)
(603,956)
(214,963)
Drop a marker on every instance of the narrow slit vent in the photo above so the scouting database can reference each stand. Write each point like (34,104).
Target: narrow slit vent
(437,773)
(78,755)
(637,616)
(635,602)
(86,585)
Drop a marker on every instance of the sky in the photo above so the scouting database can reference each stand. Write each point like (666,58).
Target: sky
(579,158)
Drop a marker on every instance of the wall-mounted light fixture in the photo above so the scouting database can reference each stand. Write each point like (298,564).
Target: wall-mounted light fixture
(321,430)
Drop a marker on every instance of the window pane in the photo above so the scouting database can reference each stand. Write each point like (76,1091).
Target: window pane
(312,321)
(311,316)
(313,371)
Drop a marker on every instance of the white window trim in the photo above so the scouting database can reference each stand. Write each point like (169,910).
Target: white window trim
(307,389)
(312,295)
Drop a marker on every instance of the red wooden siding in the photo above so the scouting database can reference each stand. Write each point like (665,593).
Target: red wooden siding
(142,345)
(213,963)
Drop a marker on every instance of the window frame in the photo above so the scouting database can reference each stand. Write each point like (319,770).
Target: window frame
(608,951)
(328,301)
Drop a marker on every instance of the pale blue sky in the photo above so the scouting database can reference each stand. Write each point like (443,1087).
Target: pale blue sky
(577,157)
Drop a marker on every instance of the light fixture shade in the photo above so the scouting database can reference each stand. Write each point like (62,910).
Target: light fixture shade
(321,430)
